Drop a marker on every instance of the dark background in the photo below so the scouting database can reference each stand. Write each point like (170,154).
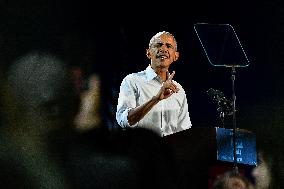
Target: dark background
(111,38)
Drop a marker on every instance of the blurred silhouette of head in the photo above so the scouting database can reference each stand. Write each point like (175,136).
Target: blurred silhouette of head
(41,90)
(232,180)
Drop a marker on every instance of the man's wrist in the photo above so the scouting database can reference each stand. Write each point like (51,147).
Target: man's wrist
(155,99)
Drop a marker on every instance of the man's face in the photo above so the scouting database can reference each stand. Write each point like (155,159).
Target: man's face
(162,52)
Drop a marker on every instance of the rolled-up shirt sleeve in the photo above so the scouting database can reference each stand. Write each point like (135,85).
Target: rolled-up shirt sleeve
(126,101)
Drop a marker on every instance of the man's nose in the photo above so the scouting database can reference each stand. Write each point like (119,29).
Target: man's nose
(163,48)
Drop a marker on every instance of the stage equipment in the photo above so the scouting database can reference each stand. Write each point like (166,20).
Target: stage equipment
(224,106)
(223,48)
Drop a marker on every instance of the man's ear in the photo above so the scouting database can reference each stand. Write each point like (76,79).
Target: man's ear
(176,56)
(148,53)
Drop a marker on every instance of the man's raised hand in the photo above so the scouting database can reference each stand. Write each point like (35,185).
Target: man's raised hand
(168,87)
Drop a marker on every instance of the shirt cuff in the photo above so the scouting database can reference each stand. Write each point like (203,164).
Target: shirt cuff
(124,119)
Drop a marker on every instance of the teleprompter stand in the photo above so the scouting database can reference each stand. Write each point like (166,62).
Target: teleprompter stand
(222,48)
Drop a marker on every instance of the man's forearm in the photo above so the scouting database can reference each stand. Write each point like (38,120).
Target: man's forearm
(139,112)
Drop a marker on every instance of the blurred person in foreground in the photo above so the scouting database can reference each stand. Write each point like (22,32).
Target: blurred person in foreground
(37,103)
(232,180)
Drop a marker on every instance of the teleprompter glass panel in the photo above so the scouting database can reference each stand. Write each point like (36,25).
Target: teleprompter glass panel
(221,45)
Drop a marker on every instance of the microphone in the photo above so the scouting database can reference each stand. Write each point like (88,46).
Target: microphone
(215,94)
(224,105)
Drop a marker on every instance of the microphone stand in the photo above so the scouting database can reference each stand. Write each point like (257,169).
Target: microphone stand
(233,77)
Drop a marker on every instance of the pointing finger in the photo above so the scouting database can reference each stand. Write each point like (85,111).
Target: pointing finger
(168,74)
(171,76)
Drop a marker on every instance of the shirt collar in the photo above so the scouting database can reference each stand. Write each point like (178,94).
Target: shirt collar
(150,73)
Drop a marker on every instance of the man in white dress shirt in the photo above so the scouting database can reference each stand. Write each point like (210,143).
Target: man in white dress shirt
(151,99)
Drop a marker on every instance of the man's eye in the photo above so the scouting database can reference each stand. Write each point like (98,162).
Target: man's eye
(170,46)
(158,45)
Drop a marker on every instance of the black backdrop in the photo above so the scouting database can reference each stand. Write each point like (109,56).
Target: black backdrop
(114,36)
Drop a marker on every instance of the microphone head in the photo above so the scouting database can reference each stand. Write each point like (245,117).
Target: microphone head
(214,93)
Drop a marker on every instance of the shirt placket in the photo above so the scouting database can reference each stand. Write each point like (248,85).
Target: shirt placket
(163,118)
(162,111)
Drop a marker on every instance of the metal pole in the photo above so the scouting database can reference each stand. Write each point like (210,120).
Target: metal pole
(234,117)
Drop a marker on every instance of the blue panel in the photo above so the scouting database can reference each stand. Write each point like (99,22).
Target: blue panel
(245,146)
